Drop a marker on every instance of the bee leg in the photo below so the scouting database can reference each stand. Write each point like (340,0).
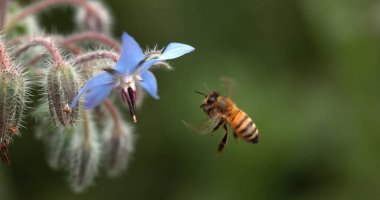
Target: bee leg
(236,137)
(224,140)
(217,126)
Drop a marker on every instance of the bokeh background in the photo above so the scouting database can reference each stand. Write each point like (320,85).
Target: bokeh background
(307,73)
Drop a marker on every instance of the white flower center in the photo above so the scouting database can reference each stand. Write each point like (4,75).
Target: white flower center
(129,81)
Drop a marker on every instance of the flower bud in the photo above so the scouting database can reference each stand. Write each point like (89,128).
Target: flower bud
(119,145)
(4,151)
(56,140)
(12,104)
(61,89)
(83,154)
(97,18)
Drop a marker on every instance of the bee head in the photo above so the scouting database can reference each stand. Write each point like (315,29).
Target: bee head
(209,98)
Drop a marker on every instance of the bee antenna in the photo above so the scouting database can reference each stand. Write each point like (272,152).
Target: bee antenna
(200,93)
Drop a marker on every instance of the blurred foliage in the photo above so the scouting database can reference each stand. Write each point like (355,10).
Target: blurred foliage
(307,75)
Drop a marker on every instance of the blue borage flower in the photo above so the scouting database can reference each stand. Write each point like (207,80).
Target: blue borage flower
(131,68)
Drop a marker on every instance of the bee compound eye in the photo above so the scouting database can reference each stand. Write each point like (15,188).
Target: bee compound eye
(211,100)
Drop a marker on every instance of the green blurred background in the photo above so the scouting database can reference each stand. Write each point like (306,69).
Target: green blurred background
(306,72)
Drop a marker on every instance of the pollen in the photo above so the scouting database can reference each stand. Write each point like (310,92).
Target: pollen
(13,130)
(67,109)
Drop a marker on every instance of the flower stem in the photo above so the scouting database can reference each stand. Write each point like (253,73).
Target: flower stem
(92,36)
(3,12)
(68,42)
(71,47)
(16,41)
(35,59)
(86,131)
(95,56)
(5,62)
(114,114)
(41,5)
(49,45)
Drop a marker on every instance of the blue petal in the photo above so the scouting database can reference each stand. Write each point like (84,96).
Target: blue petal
(97,95)
(101,79)
(175,50)
(149,83)
(131,55)
(146,65)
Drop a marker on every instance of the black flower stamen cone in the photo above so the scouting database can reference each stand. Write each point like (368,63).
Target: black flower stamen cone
(130,97)
(132,103)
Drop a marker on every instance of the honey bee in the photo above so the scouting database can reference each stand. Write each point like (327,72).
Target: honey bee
(222,111)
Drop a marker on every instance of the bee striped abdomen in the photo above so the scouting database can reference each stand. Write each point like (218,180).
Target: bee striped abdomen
(244,127)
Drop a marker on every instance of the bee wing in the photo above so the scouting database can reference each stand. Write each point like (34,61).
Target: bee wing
(212,123)
(229,84)
(208,126)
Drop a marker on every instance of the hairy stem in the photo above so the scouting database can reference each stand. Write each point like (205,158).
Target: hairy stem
(92,36)
(69,43)
(42,5)
(86,131)
(74,49)
(71,47)
(35,59)
(3,12)
(95,56)
(5,61)
(49,45)
(112,110)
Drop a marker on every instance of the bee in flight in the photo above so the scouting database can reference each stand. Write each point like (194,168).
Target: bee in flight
(222,111)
